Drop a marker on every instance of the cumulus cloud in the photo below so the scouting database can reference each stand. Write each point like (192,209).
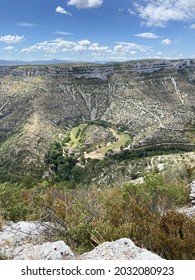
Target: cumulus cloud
(62,11)
(81,4)
(97,48)
(166,42)
(9,39)
(160,12)
(192,26)
(60,45)
(124,47)
(147,35)
(84,42)
(86,48)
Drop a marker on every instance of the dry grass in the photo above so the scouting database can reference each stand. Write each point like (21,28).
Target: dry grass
(2,222)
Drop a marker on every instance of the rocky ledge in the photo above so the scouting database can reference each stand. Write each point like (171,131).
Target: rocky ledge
(101,72)
(192,192)
(26,241)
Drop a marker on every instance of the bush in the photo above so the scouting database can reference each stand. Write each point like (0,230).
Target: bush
(85,217)
(13,206)
(155,194)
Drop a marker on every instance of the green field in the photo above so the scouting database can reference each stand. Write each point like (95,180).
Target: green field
(76,133)
(123,138)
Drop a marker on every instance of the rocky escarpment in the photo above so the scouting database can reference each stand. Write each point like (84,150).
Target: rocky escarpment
(25,241)
(152,100)
(95,71)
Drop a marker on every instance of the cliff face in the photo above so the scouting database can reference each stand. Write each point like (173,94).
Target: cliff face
(94,71)
(153,100)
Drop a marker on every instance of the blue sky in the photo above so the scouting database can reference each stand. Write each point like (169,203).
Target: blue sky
(96,30)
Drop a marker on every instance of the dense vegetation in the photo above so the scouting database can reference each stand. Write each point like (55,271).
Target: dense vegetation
(85,217)
(150,151)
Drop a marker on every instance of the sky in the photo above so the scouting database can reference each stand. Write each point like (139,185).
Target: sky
(96,30)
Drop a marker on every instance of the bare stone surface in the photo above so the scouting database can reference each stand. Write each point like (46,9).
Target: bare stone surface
(26,240)
(47,251)
(122,249)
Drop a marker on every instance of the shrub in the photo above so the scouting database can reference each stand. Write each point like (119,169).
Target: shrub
(12,204)
(85,217)
(155,194)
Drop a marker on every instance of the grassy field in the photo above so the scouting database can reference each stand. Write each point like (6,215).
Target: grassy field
(76,133)
(122,140)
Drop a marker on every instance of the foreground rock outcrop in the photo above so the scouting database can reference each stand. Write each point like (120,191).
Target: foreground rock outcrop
(25,241)
(47,251)
(122,249)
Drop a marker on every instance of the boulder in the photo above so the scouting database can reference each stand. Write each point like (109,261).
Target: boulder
(122,249)
(47,251)
(27,240)
(23,232)
(188,211)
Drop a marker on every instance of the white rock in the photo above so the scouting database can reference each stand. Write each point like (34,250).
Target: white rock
(26,240)
(122,249)
(47,251)
(189,211)
(29,227)
(22,232)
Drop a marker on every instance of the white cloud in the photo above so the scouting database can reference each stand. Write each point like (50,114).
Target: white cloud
(120,10)
(166,42)
(124,47)
(60,45)
(63,33)
(9,39)
(192,26)
(84,42)
(8,48)
(160,12)
(131,12)
(86,49)
(80,4)
(62,11)
(97,48)
(147,35)
(26,24)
